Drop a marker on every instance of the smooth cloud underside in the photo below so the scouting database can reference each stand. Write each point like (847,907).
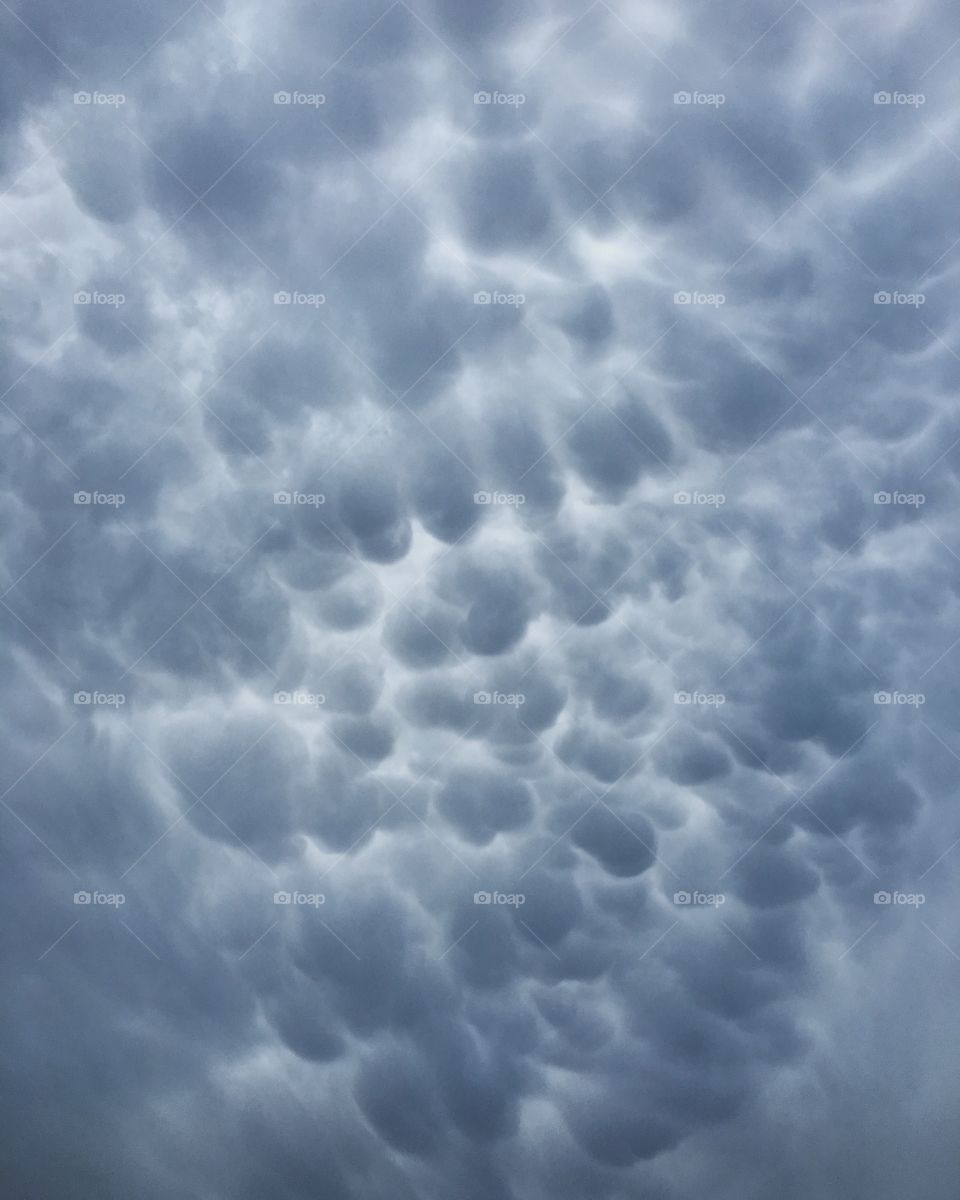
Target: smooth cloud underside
(479,587)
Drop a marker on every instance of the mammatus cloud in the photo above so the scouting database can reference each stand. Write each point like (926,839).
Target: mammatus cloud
(479,587)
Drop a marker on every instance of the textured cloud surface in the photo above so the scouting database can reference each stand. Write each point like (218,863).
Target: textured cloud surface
(479,590)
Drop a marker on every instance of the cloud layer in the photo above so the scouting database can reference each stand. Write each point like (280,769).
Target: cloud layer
(479,590)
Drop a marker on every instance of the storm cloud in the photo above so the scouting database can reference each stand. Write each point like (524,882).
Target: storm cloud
(479,590)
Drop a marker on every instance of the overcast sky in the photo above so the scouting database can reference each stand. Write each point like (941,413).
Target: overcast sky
(479,598)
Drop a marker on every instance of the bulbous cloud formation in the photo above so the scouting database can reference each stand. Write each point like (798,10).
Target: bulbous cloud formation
(479,585)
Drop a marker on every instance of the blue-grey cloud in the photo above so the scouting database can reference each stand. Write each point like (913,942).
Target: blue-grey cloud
(477,581)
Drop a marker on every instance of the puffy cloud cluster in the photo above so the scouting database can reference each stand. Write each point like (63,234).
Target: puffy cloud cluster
(478,592)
